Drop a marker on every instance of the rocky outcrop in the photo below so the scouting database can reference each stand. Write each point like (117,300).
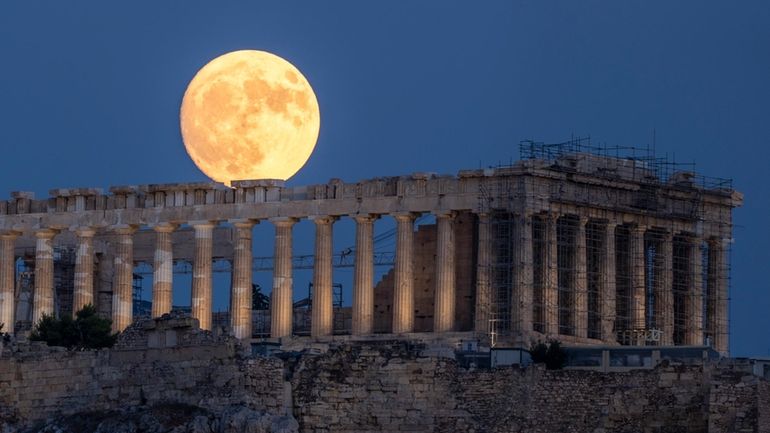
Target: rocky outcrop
(168,376)
(167,418)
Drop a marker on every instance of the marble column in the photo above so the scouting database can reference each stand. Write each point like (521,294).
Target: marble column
(322,313)
(483,271)
(551,292)
(281,302)
(7,280)
(581,280)
(241,296)
(403,288)
(609,289)
(638,292)
(201,283)
(163,270)
(43,300)
(83,290)
(694,328)
(444,303)
(123,279)
(718,290)
(363,285)
(521,311)
(664,294)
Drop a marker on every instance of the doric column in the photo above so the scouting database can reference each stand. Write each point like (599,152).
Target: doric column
(581,280)
(7,280)
(43,302)
(241,296)
(163,275)
(551,292)
(281,303)
(83,291)
(201,283)
(608,293)
(403,288)
(694,328)
(444,303)
(322,319)
(718,295)
(521,320)
(638,295)
(664,295)
(363,286)
(483,270)
(123,279)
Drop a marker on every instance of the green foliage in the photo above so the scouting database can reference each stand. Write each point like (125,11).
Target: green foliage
(86,331)
(259,301)
(551,353)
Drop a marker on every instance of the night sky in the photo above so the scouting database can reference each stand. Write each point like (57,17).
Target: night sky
(90,95)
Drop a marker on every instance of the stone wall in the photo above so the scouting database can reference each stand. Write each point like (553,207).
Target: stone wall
(392,387)
(370,387)
(150,365)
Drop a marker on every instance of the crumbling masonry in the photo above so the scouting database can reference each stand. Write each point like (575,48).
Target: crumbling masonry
(570,243)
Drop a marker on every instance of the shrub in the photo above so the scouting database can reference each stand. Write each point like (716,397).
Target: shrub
(550,353)
(86,331)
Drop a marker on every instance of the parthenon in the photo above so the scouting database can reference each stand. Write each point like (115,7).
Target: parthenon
(568,243)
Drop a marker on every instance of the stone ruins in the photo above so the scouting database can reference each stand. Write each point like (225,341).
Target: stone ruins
(569,243)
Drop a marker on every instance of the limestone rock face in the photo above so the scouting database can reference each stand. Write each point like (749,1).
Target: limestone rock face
(175,418)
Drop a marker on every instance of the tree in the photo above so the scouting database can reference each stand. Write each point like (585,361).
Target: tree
(259,301)
(551,353)
(86,331)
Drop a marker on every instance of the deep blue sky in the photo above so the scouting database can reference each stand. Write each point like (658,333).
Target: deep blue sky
(90,92)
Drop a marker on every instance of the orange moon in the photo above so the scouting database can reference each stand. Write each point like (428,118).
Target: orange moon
(249,115)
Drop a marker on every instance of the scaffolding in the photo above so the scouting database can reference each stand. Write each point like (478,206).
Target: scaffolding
(671,277)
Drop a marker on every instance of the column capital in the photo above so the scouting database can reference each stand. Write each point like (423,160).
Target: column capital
(552,216)
(716,241)
(610,225)
(638,228)
(283,221)
(450,214)
(364,217)
(9,234)
(404,216)
(84,232)
(323,219)
(124,229)
(583,220)
(47,233)
(203,223)
(165,227)
(243,223)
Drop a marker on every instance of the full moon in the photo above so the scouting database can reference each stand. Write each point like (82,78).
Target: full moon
(249,115)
